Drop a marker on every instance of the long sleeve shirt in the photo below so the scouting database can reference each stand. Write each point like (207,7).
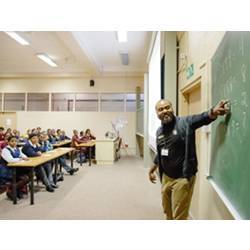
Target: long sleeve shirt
(176,151)
(76,140)
(46,146)
(31,150)
(7,156)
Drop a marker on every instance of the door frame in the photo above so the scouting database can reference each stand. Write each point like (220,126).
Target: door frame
(185,91)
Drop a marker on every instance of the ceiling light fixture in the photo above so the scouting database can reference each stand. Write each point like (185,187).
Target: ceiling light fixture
(122,36)
(47,59)
(17,38)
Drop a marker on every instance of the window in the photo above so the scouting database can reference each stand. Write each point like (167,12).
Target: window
(87,102)
(112,102)
(62,102)
(131,102)
(14,101)
(38,102)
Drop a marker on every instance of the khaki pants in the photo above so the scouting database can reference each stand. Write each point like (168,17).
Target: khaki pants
(176,197)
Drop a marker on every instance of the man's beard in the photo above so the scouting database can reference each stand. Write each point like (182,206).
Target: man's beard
(167,119)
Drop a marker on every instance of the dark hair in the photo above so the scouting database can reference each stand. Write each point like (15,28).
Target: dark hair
(32,135)
(10,137)
(1,128)
(87,131)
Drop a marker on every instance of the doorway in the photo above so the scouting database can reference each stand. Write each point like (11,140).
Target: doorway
(191,104)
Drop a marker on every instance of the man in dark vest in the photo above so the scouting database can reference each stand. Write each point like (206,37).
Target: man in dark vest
(176,155)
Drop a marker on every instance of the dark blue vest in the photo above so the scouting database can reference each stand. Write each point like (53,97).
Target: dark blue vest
(15,154)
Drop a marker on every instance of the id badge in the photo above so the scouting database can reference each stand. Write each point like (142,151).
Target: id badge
(164,152)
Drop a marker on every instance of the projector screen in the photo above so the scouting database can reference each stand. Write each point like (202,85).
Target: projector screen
(154,82)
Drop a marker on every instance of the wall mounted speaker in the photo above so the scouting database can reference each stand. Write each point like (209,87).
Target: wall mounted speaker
(91,83)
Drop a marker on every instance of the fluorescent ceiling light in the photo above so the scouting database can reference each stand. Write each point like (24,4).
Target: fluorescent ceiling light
(47,59)
(18,38)
(122,36)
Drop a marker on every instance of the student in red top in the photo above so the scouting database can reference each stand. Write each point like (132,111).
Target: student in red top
(75,141)
(4,143)
(88,135)
(8,131)
(1,133)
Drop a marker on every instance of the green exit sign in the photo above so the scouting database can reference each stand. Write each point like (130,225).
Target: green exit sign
(190,71)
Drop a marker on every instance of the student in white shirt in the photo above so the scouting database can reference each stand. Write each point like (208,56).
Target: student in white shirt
(11,153)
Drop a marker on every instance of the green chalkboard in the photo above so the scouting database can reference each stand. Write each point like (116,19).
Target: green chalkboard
(230,152)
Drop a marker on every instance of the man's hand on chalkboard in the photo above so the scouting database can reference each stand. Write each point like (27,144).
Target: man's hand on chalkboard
(220,109)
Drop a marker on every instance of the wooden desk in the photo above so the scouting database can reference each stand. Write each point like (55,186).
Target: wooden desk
(62,143)
(34,162)
(88,145)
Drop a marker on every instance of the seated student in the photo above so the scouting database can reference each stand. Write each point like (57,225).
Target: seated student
(2,133)
(47,146)
(11,153)
(8,131)
(16,133)
(63,136)
(48,131)
(5,142)
(81,135)
(39,130)
(58,134)
(88,135)
(75,141)
(52,136)
(32,149)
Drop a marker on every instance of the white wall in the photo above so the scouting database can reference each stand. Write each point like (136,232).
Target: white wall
(104,84)
(99,122)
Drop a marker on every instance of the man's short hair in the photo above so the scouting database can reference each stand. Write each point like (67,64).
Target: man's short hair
(10,137)
(161,101)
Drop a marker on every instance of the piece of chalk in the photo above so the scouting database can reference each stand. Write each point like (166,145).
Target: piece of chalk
(227,106)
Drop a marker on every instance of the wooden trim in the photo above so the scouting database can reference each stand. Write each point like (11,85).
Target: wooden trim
(191,86)
(180,35)
(139,134)
(151,46)
(202,65)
